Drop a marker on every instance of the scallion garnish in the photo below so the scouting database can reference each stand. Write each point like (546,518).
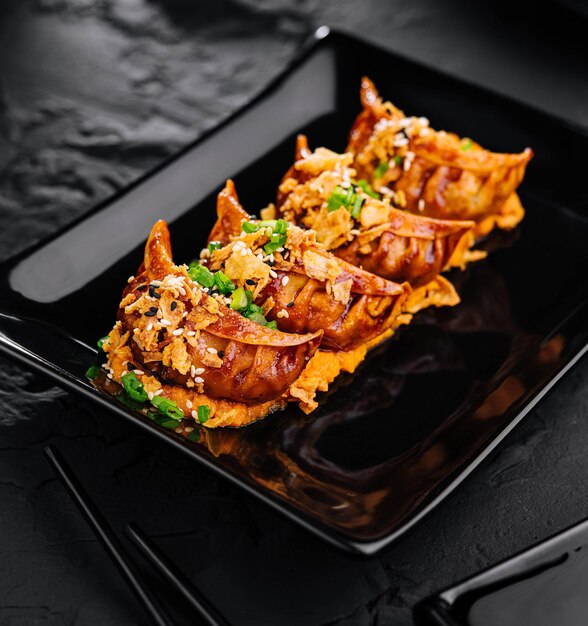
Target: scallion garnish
(134,387)
(398,159)
(256,317)
(194,435)
(239,300)
(203,413)
(276,241)
(200,274)
(101,342)
(367,189)
(467,144)
(167,407)
(93,372)
(249,227)
(346,198)
(223,283)
(381,169)
(273,325)
(214,245)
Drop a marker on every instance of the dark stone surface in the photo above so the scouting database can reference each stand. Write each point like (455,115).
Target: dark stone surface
(93,93)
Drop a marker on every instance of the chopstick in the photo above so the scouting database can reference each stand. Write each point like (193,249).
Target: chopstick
(107,537)
(166,568)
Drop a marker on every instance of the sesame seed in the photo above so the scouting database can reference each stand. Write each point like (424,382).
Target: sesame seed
(158,392)
(182,291)
(188,429)
(273,274)
(173,305)
(421,204)
(194,414)
(191,333)
(188,404)
(198,371)
(150,395)
(109,376)
(139,372)
(290,304)
(192,371)
(151,312)
(250,281)
(165,322)
(285,280)
(177,332)
(130,279)
(198,379)
(178,430)
(150,326)
(211,350)
(221,354)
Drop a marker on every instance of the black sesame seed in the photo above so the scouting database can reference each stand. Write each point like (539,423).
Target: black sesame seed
(271,263)
(141,287)
(130,366)
(151,312)
(250,282)
(221,354)
(290,305)
(153,293)
(173,306)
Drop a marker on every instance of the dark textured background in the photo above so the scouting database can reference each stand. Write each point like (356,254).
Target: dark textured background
(95,92)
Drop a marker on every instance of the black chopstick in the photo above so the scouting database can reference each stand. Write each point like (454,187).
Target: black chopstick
(106,537)
(168,570)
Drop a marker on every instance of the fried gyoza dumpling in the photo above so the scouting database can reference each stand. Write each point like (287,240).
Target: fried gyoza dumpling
(181,338)
(435,173)
(296,283)
(361,226)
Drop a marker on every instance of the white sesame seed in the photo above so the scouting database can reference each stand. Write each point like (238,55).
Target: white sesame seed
(280,249)
(354,231)
(150,326)
(177,332)
(188,429)
(182,291)
(421,204)
(139,372)
(159,314)
(130,279)
(285,280)
(204,253)
(104,364)
(165,322)
(188,404)
(191,333)
(273,274)
(122,373)
(192,371)
(158,392)
(198,379)
(198,371)
(150,395)
(205,289)
(211,350)
(194,414)
(109,376)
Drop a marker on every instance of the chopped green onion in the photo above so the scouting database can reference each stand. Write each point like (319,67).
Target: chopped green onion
(203,413)
(101,341)
(134,387)
(249,296)
(356,209)
(336,199)
(167,407)
(258,318)
(93,372)
(281,226)
(201,275)
(194,435)
(214,245)
(398,159)
(223,283)
(249,227)
(273,325)
(253,308)
(276,241)
(367,189)
(381,169)
(239,300)
(467,144)
(129,402)
(166,422)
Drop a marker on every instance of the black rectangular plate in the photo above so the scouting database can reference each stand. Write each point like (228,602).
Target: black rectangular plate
(387,445)
(544,585)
